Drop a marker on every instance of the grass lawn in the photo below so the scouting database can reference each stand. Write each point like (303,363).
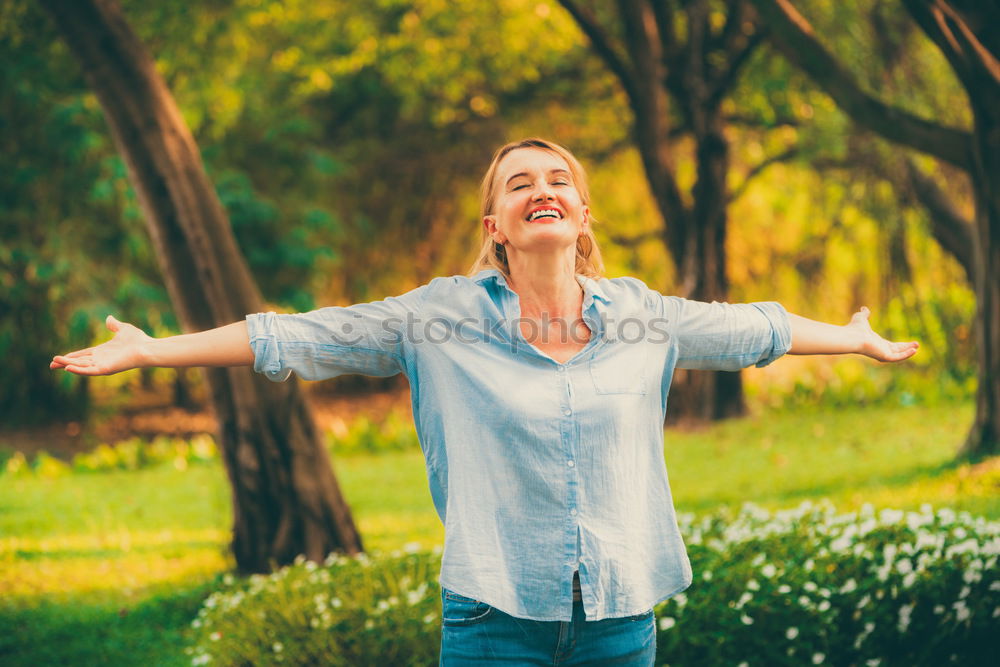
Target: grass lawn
(109,568)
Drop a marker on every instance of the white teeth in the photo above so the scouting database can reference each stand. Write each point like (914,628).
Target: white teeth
(545,212)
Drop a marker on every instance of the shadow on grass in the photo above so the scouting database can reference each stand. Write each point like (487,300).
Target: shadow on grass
(832,489)
(112,552)
(70,631)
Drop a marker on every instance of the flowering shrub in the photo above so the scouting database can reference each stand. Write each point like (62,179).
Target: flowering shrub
(384,609)
(806,586)
(810,586)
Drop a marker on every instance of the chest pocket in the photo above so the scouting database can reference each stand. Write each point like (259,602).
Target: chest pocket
(622,372)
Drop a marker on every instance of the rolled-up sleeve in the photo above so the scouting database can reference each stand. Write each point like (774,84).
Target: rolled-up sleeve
(725,336)
(366,338)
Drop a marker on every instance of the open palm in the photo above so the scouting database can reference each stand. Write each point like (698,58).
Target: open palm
(876,347)
(121,353)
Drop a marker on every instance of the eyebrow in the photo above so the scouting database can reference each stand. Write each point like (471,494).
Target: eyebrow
(557,170)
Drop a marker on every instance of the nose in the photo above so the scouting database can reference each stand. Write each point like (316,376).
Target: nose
(543,192)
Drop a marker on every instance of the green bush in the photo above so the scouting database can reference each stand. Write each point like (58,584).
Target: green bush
(801,586)
(363,436)
(810,586)
(131,454)
(381,610)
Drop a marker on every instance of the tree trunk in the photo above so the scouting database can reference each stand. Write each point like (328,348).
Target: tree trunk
(984,437)
(286,500)
(965,33)
(701,262)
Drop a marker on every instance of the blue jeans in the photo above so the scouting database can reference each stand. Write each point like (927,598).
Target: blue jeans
(474,633)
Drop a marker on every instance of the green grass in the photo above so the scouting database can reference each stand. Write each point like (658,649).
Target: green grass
(109,568)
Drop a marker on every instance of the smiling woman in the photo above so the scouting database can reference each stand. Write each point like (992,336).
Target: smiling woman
(539,403)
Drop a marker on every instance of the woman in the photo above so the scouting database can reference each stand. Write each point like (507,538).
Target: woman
(539,391)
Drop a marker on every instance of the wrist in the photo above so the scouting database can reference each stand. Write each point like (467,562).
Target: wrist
(145,353)
(857,340)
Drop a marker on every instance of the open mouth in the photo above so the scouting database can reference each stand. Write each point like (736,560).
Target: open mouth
(544,213)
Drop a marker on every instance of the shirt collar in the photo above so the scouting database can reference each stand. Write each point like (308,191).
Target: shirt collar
(591,288)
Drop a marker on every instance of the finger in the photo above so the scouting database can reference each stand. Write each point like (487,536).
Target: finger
(862,315)
(111,323)
(85,370)
(79,353)
(73,357)
(79,361)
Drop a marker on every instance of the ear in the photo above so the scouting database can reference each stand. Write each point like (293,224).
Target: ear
(586,220)
(490,223)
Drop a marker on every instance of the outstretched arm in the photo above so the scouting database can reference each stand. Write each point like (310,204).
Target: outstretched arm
(857,336)
(131,348)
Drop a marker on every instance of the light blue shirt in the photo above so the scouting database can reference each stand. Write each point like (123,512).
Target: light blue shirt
(536,468)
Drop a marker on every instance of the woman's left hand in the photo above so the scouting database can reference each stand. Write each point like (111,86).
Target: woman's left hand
(873,345)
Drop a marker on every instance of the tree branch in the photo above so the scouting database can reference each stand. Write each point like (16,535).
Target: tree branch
(635,241)
(757,169)
(949,227)
(603,45)
(960,45)
(793,35)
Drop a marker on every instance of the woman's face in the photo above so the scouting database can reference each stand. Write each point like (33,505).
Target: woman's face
(538,207)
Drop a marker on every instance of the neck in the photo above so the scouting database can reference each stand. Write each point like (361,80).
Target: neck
(546,283)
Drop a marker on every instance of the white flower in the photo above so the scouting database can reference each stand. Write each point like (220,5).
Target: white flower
(962,612)
(746,620)
(905,612)
(769,570)
(707,575)
(429,618)
(667,622)
(849,587)
(215,636)
(818,658)
(278,647)
(792,633)
(904,566)
(784,589)
(824,605)
(753,585)
(804,601)
(873,662)
(809,565)
(810,586)
(939,609)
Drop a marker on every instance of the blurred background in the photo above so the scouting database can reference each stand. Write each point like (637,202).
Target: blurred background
(346,142)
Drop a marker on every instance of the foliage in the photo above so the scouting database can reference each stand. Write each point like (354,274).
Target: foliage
(365,436)
(806,585)
(368,610)
(362,436)
(809,585)
(105,567)
(131,454)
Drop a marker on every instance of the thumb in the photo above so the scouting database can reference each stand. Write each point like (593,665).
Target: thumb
(862,315)
(111,323)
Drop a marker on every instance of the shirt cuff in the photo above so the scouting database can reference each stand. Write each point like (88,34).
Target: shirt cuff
(781,330)
(264,343)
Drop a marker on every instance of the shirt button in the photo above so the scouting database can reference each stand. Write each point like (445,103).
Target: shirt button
(572,512)
(570,463)
(567,412)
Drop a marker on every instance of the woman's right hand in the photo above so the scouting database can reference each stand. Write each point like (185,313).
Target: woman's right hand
(121,353)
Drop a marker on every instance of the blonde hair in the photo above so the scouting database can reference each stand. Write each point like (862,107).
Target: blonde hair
(493,255)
